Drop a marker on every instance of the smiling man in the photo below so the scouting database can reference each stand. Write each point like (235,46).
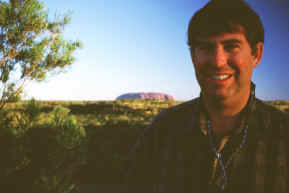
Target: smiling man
(224,65)
(226,140)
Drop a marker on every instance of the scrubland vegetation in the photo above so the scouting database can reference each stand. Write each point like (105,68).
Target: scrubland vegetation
(49,147)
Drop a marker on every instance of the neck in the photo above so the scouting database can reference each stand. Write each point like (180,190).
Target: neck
(225,114)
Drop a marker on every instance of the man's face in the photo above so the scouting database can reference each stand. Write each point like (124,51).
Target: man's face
(224,64)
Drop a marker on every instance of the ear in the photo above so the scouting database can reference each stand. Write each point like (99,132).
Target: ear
(259,49)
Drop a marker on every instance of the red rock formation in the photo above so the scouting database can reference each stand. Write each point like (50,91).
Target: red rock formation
(142,95)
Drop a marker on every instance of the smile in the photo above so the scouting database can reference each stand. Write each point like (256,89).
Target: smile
(221,77)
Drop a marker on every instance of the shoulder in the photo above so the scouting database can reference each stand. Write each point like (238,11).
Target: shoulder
(173,120)
(271,119)
(178,113)
(270,112)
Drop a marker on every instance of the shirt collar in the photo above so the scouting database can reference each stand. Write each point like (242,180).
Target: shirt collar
(244,114)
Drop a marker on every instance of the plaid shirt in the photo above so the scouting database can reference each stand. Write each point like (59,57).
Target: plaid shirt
(174,155)
(228,144)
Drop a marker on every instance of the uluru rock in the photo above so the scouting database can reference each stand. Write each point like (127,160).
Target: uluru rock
(142,95)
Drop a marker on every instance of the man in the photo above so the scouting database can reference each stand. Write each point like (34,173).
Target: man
(226,140)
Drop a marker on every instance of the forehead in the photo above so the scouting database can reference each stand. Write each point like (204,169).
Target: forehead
(237,37)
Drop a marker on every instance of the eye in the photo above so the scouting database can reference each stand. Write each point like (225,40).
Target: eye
(232,47)
(204,47)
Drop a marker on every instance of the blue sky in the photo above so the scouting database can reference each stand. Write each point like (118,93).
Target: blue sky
(140,46)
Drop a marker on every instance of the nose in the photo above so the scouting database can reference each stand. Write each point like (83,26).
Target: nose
(218,57)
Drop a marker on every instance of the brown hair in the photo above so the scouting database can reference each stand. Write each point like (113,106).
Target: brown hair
(219,16)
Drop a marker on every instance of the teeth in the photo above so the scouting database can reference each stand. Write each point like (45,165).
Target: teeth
(220,77)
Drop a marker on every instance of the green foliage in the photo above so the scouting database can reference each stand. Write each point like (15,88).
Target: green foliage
(59,115)
(71,134)
(31,46)
(281,104)
(46,152)
(32,109)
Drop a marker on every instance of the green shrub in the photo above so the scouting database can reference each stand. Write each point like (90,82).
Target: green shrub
(70,133)
(41,156)
(32,109)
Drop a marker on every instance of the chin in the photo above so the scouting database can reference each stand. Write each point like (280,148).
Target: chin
(218,97)
(217,93)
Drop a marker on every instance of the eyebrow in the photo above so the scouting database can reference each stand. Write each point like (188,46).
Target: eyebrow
(229,41)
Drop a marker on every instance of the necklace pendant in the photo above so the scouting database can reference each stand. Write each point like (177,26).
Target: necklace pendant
(219,155)
(223,187)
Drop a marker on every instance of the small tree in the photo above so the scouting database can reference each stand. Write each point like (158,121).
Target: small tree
(31,46)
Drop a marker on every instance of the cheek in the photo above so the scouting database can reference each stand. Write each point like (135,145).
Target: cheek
(242,62)
(199,63)
(243,69)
